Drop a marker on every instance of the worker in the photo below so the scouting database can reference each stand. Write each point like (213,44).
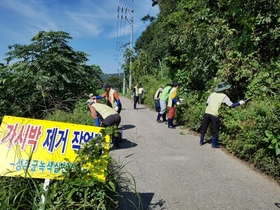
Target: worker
(213,104)
(163,102)
(111,96)
(104,116)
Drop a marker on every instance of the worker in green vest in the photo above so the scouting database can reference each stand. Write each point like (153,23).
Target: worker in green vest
(163,102)
(157,97)
(213,104)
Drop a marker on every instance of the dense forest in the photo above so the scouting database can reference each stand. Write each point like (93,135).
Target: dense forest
(201,43)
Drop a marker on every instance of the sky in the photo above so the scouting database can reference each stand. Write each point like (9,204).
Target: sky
(100,28)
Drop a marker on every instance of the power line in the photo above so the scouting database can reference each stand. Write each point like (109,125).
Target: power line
(142,22)
(125,15)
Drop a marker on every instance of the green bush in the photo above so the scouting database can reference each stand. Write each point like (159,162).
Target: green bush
(190,112)
(252,133)
(80,115)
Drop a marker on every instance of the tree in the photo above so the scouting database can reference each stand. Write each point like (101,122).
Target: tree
(115,82)
(148,18)
(46,75)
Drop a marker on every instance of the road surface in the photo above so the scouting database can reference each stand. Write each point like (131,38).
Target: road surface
(172,172)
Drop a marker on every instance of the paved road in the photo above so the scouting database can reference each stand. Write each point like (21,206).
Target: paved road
(173,172)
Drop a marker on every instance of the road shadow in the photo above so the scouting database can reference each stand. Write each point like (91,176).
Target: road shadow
(207,141)
(139,201)
(124,144)
(126,127)
(178,124)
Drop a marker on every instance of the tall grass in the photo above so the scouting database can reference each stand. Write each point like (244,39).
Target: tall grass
(20,193)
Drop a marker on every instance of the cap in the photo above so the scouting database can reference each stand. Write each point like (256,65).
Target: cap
(106,85)
(175,84)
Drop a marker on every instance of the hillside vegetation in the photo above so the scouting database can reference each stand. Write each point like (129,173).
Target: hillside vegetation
(201,43)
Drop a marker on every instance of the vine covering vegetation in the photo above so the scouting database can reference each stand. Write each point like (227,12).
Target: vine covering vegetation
(201,43)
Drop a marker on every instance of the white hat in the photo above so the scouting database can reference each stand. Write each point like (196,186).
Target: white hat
(91,101)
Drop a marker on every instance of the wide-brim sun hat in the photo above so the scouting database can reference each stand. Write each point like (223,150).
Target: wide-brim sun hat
(222,86)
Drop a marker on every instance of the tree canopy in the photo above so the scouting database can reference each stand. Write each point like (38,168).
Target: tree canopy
(45,75)
(200,41)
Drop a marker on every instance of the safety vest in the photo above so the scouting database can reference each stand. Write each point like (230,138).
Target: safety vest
(158,93)
(165,93)
(170,103)
(104,110)
(136,93)
(215,102)
(110,99)
(141,90)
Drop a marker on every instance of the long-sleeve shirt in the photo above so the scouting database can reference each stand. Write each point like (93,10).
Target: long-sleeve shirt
(215,101)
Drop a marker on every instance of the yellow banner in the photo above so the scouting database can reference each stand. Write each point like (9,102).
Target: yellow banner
(40,148)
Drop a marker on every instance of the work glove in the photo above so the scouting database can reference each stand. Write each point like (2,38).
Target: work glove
(241,102)
(178,103)
(116,109)
(96,122)
(181,99)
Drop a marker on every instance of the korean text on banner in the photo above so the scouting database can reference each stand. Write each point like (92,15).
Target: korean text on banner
(41,147)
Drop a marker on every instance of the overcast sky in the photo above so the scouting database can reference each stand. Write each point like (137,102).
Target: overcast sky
(96,26)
